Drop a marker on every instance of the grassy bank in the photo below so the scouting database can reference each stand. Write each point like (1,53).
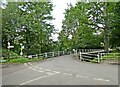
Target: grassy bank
(21,60)
(112,56)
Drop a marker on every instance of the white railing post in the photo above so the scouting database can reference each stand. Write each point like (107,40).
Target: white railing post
(98,58)
(53,54)
(101,56)
(80,56)
(36,56)
(45,55)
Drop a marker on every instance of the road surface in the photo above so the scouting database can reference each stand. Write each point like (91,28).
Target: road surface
(63,70)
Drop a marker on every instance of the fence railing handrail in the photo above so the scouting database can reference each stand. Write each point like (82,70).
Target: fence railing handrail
(54,54)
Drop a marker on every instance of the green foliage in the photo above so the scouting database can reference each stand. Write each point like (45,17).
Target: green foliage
(115,34)
(76,24)
(9,54)
(89,24)
(115,51)
(27,23)
(94,61)
(23,60)
(114,55)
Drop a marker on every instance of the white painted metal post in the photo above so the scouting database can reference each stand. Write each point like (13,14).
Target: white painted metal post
(45,55)
(53,54)
(101,56)
(36,56)
(98,58)
(80,56)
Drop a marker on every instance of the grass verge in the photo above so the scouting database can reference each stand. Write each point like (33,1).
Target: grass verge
(22,60)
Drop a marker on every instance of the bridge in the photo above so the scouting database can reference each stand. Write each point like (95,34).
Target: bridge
(62,70)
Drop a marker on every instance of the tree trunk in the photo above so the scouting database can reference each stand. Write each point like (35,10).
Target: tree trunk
(106,29)
(106,39)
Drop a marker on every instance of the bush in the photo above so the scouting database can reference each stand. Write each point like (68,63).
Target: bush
(23,60)
(10,54)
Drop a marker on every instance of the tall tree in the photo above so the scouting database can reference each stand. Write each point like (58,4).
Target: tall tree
(28,23)
(101,16)
(115,34)
(81,19)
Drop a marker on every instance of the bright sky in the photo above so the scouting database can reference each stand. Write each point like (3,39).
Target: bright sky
(58,11)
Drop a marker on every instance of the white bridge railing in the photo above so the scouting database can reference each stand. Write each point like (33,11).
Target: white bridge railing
(53,54)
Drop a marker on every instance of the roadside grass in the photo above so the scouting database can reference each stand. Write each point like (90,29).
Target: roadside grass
(21,60)
(114,55)
(94,61)
(111,56)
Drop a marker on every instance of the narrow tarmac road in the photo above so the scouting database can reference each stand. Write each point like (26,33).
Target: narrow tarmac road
(63,70)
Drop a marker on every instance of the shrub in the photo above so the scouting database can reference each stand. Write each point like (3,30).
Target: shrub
(10,54)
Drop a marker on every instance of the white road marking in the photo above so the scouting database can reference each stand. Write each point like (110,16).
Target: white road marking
(101,79)
(67,74)
(40,68)
(35,79)
(36,66)
(49,73)
(34,69)
(30,67)
(39,71)
(47,70)
(55,71)
(81,76)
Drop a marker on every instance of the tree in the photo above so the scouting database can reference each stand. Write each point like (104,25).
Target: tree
(101,15)
(85,19)
(75,25)
(28,23)
(115,34)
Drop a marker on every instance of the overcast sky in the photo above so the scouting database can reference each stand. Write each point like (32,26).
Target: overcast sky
(58,11)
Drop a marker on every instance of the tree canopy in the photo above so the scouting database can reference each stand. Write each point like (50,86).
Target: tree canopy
(90,25)
(28,23)
(85,25)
